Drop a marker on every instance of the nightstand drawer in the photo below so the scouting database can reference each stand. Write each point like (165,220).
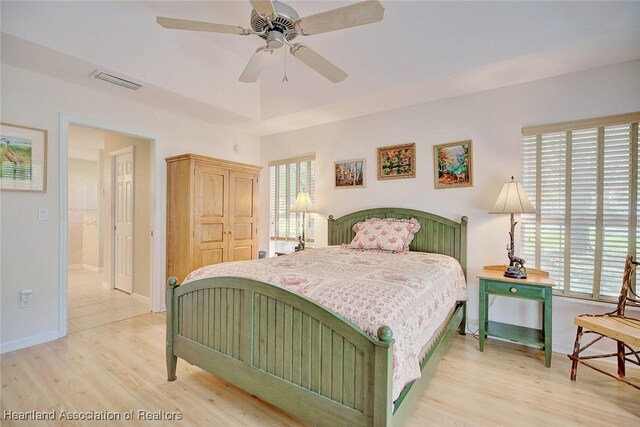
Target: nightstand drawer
(515,290)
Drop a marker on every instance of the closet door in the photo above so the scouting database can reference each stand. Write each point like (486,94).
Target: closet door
(211,199)
(243,219)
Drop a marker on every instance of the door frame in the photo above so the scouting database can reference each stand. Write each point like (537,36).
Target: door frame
(156,222)
(112,216)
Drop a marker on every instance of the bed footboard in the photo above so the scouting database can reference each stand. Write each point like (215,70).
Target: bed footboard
(282,348)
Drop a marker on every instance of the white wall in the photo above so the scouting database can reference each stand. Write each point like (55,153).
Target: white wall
(83,207)
(493,120)
(38,101)
(90,241)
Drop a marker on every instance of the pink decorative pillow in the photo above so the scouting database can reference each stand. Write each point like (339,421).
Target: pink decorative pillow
(389,234)
(412,224)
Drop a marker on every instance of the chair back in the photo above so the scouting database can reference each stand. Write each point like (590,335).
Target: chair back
(627,276)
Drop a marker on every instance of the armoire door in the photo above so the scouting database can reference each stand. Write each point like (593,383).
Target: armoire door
(242,220)
(210,207)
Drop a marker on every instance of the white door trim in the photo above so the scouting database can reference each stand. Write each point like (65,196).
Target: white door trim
(112,209)
(155,254)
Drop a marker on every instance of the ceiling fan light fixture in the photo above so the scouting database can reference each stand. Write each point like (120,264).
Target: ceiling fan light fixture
(275,39)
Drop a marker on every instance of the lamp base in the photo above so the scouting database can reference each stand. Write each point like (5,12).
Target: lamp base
(515,272)
(516,268)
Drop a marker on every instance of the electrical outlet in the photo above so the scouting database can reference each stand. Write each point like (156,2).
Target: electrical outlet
(25,298)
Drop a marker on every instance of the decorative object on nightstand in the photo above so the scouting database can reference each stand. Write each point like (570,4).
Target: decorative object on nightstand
(512,200)
(281,253)
(536,287)
(304,205)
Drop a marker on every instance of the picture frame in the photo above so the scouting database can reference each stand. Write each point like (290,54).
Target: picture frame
(397,161)
(23,161)
(349,173)
(453,164)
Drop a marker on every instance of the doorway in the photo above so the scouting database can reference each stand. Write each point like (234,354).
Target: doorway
(109,227)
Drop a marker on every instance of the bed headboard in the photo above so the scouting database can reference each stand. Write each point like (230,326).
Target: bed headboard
(437,234)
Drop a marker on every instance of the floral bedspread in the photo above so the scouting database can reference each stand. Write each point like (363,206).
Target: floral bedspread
(411,292)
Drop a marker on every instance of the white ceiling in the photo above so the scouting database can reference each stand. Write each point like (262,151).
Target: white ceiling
(420,52)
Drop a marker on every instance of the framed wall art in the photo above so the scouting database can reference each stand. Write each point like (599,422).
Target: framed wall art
(350,173)
(397,161)
(453,165)
(23,165)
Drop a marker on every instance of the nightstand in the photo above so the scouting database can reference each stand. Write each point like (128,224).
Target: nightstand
(537,287)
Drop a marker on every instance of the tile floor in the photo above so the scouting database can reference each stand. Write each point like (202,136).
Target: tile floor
(91,304)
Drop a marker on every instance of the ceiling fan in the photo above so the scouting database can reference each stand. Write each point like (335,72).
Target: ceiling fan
(279,24)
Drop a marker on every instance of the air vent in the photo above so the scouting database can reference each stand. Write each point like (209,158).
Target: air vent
(110,78)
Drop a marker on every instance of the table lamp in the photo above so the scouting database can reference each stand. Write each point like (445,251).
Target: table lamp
(304,205)
(512,200)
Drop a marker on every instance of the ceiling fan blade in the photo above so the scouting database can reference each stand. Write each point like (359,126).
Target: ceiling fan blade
(258,62)
(318,62)
(264,7)
(362,13)
(183,24)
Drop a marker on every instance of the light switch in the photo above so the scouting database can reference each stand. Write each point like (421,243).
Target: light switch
(25,298)
(43,214)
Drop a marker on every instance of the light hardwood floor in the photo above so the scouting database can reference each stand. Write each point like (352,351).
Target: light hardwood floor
(121,367)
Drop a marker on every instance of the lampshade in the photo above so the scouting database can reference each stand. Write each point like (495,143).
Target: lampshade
(303,203)
(512,200)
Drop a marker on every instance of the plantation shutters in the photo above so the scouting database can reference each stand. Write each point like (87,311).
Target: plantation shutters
(286,179)
(583,179)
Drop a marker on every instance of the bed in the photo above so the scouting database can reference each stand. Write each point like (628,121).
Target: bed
(298,355)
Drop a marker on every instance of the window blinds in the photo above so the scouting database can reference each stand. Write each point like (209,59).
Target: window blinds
(286,179)
(583,179)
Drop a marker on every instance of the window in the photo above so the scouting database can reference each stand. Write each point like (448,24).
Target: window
(582,177)
(286,179)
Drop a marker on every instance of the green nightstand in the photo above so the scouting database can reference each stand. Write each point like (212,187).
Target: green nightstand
(537,287)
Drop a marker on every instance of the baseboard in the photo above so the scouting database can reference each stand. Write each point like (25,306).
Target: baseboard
(92,268)
(141,298)
(564,350)
(81,266)
(29,341)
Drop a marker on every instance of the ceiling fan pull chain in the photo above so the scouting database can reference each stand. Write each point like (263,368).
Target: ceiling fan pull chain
(285,79)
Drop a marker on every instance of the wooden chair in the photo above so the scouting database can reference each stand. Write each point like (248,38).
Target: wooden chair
(614,325)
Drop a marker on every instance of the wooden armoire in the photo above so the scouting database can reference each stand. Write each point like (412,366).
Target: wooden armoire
(212,212)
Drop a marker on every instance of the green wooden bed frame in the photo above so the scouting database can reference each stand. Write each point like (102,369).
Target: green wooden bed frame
(296,354)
